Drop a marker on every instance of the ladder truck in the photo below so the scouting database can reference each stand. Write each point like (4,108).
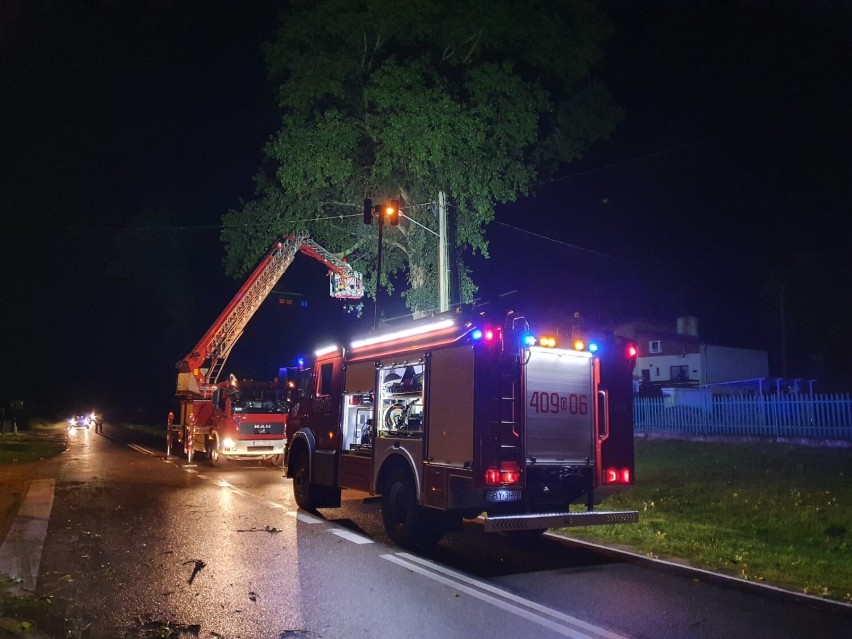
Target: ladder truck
(453,417)
(243,419)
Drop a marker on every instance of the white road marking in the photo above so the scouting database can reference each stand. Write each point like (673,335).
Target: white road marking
(20,554)
(143,450)
(306,519)
(563,624)
(348,535)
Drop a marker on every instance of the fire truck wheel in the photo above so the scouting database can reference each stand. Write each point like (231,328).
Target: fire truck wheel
(303,490)
(215,458)
(399,509)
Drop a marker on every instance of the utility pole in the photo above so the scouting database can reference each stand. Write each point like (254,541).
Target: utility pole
(443,258)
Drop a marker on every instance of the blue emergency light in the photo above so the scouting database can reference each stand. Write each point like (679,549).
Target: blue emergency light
(528,339)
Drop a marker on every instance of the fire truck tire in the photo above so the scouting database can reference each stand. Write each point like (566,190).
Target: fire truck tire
(406,523)
(399,508)
(216,458)
(303,489)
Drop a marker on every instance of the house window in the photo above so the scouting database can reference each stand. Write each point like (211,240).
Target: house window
(655,346)
(679,373)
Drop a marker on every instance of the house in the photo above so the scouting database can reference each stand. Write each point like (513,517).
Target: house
(672,355)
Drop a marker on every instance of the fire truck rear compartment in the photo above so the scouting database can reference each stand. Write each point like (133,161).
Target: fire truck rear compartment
(552,488)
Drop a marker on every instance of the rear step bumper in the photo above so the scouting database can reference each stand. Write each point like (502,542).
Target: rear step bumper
(537,521)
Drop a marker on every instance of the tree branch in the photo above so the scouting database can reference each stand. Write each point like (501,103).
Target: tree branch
(354,247)
(449,50)
(474,40)
(375,50)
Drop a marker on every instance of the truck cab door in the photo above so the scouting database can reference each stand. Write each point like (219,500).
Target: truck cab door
(324,404)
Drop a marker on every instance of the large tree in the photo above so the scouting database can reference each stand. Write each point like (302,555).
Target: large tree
(476,100)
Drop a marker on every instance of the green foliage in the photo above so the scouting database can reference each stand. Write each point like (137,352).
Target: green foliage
(387,100)
(763,512)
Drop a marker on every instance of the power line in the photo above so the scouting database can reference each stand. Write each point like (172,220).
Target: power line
(613,165)
(196,227)
(554,240)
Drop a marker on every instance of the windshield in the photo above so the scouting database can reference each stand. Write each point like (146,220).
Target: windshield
(259,400)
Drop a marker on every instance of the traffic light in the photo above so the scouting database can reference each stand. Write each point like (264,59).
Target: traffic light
(368,211)
(392,212)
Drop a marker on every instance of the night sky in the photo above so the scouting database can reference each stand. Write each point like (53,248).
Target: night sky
(130,128)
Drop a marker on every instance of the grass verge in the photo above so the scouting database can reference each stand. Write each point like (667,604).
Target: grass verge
(763,512)
(39,442)
(30,616)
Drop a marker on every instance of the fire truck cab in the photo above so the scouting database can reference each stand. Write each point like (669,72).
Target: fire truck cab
(454,417)
(239,420)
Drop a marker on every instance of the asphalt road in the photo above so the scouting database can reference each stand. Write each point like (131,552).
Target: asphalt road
(143,544)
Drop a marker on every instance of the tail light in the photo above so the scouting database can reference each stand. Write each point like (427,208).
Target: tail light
(617,476)
(507,473)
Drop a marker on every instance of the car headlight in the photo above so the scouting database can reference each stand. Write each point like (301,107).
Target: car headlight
(228,443)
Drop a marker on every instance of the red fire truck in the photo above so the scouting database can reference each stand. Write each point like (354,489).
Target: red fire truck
(243,419)
(453,417)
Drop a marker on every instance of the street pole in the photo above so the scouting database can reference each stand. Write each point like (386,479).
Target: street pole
(443,259)
(378,273)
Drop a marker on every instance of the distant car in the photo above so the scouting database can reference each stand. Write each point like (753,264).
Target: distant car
(80,421)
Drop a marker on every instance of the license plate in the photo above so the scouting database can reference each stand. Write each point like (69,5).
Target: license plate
(503,495)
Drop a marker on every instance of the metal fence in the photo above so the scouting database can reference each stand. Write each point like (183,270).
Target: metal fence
(813,416)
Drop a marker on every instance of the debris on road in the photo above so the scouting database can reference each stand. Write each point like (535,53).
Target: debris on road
(269,529)
(153,629)
(198,566)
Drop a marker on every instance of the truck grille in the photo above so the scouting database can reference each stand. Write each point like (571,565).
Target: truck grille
(261,429)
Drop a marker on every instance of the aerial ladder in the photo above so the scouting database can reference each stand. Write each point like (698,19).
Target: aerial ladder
(199,371)
(245,419)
